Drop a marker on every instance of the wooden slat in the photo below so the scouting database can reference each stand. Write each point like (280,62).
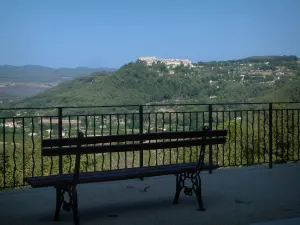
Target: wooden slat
(132,137)
(130,147)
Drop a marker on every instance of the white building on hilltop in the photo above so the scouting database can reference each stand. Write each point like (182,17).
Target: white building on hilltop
(174,62)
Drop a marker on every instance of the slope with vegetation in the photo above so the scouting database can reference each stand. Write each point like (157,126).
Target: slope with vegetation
(209,82)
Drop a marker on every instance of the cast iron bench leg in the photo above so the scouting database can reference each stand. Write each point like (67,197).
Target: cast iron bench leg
(59,201)
(75,206)
(198,192)
(179,187)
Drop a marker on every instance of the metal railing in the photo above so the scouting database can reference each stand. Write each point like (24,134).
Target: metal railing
(258,133)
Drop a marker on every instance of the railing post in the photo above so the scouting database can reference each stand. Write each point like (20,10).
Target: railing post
(141,128)
(270,135)
(210,146)
(59,109)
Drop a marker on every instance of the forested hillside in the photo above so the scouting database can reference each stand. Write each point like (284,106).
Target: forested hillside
(136,83)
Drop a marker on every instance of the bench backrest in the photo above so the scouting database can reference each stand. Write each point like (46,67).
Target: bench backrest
(119,143)
(99,144)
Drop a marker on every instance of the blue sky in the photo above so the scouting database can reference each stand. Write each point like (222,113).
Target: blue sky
(110,33)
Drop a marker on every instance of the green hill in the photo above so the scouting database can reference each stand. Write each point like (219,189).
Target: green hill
(137,83)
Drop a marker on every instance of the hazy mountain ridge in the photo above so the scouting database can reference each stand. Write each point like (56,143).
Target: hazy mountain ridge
(17,82)
(42,74)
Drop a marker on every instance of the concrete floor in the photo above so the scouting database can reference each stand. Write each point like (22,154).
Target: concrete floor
(232,196)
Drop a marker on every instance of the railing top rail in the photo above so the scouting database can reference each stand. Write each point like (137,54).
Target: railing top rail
(149,105)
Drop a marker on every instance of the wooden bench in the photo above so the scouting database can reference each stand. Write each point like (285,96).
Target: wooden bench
(66,183)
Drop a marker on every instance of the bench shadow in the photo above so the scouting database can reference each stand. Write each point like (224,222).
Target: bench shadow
(137,207)
(115,210)
(152,206)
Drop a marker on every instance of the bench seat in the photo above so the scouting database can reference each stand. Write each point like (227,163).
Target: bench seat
(113,175)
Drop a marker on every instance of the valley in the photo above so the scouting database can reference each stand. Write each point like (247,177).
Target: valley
(19,82)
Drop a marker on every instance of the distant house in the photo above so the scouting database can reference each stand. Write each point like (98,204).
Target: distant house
(171,72)
(47,120)
(11,124)
(171,110)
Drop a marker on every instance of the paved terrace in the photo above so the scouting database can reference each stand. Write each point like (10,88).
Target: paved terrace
(232,196)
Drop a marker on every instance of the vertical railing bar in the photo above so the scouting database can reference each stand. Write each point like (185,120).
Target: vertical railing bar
(86,134)
(14,152)
(176,129)
(270,135)
(183,123)
(197,120)
(170,129)
(60,137)
(118,127)
(4,154)
(217,127)
(229,138)
(197,128)
(102,130)
(265,147)
(163,130)
(42,158)
(203,119)
(282,136)
(223,127)
(23,148)
(50,135)
(33,147)
(293,135)
(110,154)
(241,138)
(252,125)
(94,132)
(125,124)
(235,121)
(298,134)
(70,156)
(149,122)
(287,135)
(60,166)
(78,125)
(141,128)
(258,135)
(156,157)
(247,137)
(277,136)
(210,111)
(77,120)
(190,128)
(132,131)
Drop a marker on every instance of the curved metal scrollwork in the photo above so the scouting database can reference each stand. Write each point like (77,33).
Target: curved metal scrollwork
(188,191)
(196,187)
(67,204)
(194,177)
